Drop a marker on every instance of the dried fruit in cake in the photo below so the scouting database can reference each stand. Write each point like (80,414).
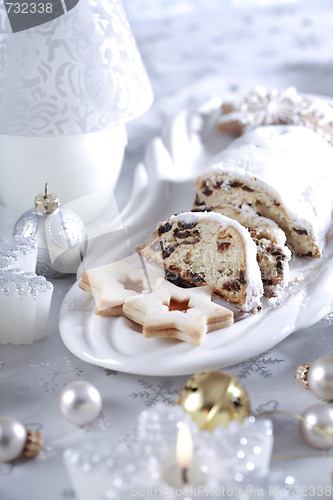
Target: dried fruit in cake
(272,253)
(208,249)
(285,173)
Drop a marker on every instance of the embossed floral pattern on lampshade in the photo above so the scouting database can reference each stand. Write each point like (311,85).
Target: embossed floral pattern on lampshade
(79,73)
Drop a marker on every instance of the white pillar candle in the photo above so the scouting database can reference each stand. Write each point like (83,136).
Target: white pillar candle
(8,261)
(25,300)
(7,308)
(26,249)
(19,252)
(42,293)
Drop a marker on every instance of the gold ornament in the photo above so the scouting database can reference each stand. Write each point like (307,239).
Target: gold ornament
(33,444)
(214,398)
(318,377)
(302,375)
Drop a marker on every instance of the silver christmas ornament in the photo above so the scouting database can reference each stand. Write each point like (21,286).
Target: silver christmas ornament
(80,402)
(318,377)
(60,235)
(13,436)
(16,441)
(316,426)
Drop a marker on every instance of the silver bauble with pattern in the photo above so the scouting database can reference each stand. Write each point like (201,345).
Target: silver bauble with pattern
(60,234)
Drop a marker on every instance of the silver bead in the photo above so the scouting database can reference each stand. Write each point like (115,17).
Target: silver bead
(320,378)
(320,417)
(80,402)
(13,437)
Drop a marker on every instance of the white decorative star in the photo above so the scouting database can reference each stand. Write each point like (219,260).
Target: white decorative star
(265,107)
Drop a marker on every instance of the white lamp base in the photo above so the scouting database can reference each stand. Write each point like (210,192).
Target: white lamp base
(73,166)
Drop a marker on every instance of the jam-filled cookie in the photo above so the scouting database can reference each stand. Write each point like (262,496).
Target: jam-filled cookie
(179,313)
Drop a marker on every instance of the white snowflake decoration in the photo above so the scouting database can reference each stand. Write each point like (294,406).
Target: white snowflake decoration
(269,107)
(274,107)
(264,107)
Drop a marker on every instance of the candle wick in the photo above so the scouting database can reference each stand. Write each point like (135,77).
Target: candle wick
(184,475)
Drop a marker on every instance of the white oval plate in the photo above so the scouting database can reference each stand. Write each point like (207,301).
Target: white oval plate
(163,185)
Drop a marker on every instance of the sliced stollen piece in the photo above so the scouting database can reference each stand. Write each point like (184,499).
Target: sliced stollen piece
(178,313)
(208,248)
(272,253)
(284,173)
(110,287)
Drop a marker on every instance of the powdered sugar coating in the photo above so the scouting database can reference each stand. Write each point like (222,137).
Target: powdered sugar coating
(293,164)
(255,287)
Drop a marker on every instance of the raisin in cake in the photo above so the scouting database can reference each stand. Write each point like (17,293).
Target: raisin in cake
(272,253)
(284,173)
(208,248)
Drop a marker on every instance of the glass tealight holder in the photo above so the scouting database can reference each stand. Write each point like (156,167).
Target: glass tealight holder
(229,457)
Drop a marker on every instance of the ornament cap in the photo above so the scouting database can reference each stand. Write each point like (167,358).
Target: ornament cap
(46,203)
(33,444)
(301,375)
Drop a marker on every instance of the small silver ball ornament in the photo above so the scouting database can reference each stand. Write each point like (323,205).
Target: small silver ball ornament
(316,426)
(320,378)
(13,436)
(80,402)
(60,235)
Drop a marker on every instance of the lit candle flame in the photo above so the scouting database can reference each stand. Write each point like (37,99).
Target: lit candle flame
(184,448)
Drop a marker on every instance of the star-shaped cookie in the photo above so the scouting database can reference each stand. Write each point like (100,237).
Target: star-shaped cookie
(110,287)
(181,313)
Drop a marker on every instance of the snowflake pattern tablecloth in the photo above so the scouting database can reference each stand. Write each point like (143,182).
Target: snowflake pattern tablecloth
(190,58)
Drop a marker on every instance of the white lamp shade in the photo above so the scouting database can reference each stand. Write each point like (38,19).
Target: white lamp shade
(79,73)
